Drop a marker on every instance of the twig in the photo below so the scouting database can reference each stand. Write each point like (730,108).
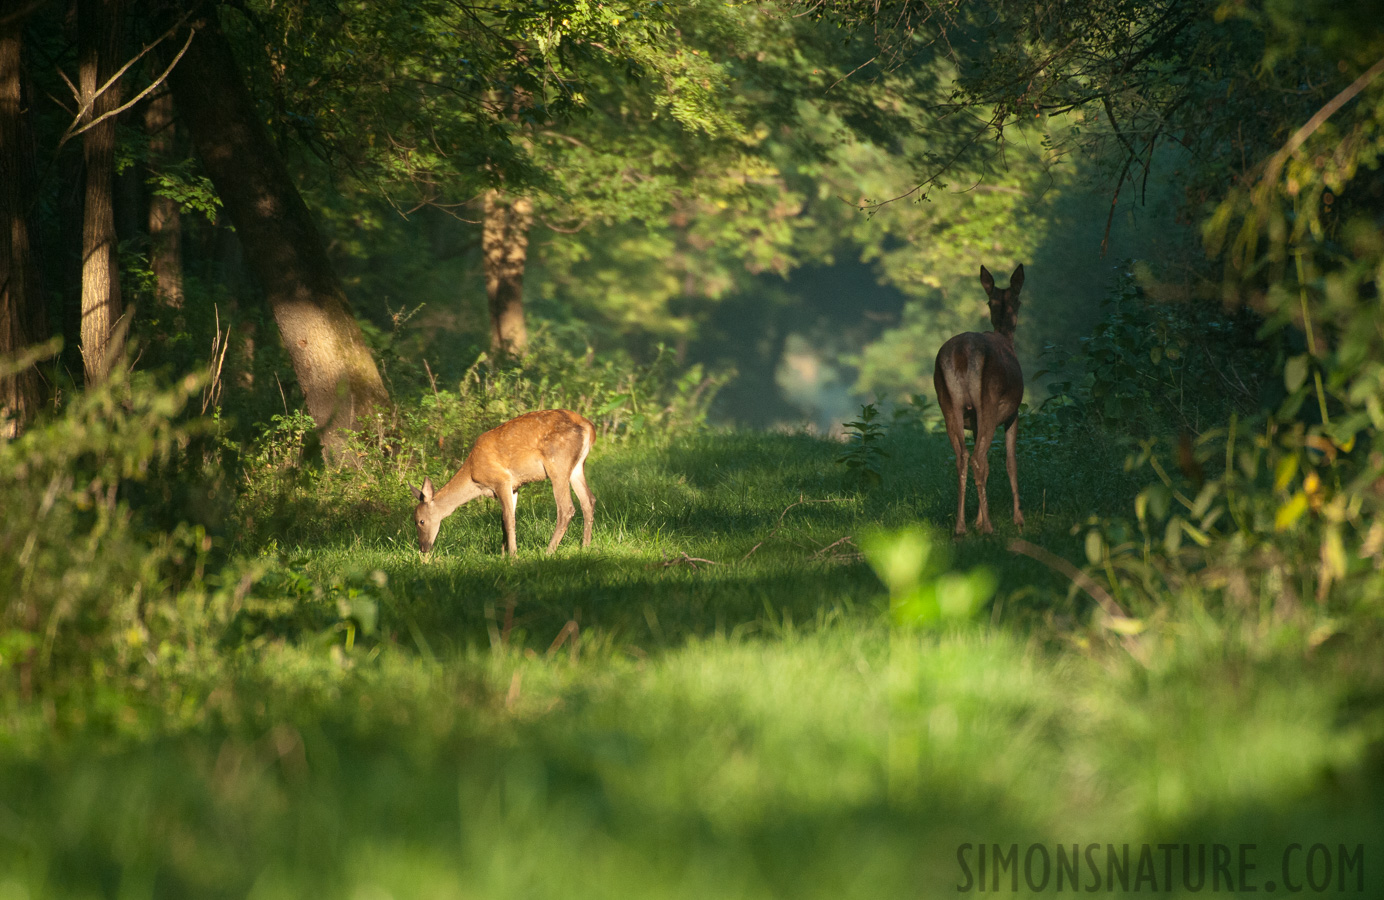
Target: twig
(683,558)
(85,108)
(799,502)
(431,378)
(821,551)
(211,394)
(1276,162)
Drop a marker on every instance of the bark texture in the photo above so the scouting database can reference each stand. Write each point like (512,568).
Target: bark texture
(282,245)
(165,219)
(98,38)
(505,247)
(21,316)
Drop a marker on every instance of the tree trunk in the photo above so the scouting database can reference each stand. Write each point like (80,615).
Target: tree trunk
(505,248)
(98,38)
(282,245)
(20,299)
(165,219)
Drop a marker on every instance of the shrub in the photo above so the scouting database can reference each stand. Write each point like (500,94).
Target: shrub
(1149,368)
(91,590)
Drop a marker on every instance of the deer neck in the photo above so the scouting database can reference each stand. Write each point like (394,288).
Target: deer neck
(462,489)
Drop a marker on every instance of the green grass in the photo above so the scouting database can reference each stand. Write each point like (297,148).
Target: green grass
(752,728)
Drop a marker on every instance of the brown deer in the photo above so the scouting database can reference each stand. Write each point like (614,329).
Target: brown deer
(979,386)
(551,444)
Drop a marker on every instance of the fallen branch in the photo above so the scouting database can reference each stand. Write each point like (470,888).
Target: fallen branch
(1080,578)
(847,540)
(799,502)
(684,559)
(1115,614)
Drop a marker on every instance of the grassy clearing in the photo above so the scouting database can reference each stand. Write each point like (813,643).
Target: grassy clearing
(752,728)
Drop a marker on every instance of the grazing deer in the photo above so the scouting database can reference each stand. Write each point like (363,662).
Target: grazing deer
(980,385)
(550,444)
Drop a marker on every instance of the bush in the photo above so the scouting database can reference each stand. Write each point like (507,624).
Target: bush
(1151,368)
(92,591)
(1269,520)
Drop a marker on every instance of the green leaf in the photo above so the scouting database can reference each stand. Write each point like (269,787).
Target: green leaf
(1285,470)
(1289,513)
(615,403)
(1095,547)
(1295,372)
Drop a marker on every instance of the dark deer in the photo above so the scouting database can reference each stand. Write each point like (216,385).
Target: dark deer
(979,386)
(551,444)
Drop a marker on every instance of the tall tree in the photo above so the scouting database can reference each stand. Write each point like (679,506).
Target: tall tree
(282,245)
(20,303)
(504,247)
(99,26)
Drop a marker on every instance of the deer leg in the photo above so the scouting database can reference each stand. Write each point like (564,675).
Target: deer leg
(956,432)
(980,462)
(508,495)
(1011,438)
(963,460)
(562,493)
(588,504)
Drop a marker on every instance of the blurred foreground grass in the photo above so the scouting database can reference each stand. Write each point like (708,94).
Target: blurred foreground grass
(710,702)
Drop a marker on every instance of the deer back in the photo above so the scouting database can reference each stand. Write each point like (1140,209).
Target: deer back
(529,447)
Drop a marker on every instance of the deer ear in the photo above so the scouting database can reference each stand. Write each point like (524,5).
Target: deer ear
(1016,281)
(987,280)
(424,493)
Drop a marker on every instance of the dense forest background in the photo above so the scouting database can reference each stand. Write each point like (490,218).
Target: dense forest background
(266,265)
(761,206)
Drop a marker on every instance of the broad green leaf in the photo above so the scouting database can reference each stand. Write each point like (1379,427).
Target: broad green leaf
(1289,513)
(1295,372)
(1283,473)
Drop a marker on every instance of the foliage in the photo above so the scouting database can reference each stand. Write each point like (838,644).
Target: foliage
(621,397)
(431,101)
(708,702)
(191,190)
(862,456)
(1275,516)
(1145,368)
(94,591)
(922,593)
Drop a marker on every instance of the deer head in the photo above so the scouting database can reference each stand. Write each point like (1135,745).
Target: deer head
(426,516)
(1004,304)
